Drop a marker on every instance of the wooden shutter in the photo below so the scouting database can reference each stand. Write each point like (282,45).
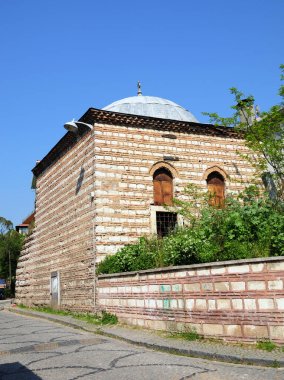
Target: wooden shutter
(158,195)
(167,191)
(163,187)
(216,188)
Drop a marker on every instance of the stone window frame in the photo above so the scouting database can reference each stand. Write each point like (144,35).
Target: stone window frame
(155,208)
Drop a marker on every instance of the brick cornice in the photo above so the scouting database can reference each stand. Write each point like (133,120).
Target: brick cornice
(94,115)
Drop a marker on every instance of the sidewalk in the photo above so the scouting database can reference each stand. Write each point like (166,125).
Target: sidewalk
(4,304)
(156,341)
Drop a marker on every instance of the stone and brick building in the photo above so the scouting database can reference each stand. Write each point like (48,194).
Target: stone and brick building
(104,184)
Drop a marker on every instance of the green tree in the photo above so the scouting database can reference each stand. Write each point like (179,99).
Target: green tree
(11,243)
(264,135)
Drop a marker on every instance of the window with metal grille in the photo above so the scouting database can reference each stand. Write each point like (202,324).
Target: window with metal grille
(166,222)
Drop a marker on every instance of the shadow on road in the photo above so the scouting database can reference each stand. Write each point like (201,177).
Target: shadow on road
(16,371)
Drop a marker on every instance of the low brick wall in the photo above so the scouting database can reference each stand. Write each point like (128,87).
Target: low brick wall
(234,300)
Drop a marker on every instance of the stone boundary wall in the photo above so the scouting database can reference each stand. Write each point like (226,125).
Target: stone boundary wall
(234,300)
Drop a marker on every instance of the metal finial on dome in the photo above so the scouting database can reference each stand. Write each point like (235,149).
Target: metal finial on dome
(139,92)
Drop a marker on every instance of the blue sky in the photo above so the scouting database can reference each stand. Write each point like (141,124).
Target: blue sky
(60,57)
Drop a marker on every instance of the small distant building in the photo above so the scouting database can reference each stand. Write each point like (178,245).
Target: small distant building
(25,227)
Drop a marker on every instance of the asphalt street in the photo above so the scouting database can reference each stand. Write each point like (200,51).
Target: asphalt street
(35,349)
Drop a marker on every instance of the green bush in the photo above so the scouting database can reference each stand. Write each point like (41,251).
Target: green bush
(245,228)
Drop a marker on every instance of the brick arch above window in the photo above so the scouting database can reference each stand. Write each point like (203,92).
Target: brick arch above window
(162,164)
(217,169)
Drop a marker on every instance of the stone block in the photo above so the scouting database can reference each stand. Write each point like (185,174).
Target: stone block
(258,332)
(193,327)
(173,304)
(257,267)
(275,266)
(223,304)
(166,304)
(233,331)
(256,285)
(212,329)
(176,287)
(144,289)
(265,303)
(180,274)
(156,325)
(203,272)
(195,287)
(140,322)
(189,304)
(222,286)
(139,303)
(211,304)
(276,332)
(136,289)
(237,303)
(238,286)
(238,268)
(218,270)
(150,304)
(113,302)
(154,288)
(120,289)
(207,286)
(280,303)
(200,304)
(249,304)
(165,288)
(159,304)
(191,273)
(275,285)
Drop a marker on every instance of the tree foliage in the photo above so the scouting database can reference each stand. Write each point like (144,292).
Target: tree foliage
(264,135)
(10,246)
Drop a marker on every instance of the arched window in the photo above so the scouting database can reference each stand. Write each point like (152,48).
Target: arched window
(216,189)
(163,187)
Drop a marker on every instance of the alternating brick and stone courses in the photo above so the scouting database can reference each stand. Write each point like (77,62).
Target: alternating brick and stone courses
(94,194)
(236,300)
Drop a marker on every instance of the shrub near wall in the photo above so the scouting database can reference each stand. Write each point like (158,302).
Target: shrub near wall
(246,228)
(234,300)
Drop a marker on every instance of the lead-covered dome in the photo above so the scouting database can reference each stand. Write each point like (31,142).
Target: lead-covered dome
(151,106)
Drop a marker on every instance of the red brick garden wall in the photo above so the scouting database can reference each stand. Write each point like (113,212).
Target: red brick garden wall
(236,300)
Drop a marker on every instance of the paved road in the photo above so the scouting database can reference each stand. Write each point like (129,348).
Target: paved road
(35,349)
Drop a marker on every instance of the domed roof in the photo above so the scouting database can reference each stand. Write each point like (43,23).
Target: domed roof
(151,106)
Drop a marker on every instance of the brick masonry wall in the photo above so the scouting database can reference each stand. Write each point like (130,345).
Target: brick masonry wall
(124,181)
(63,237)
(72,231)
(25,272)
(237,300)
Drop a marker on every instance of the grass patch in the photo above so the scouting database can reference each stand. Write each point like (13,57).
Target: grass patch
(188,334)
(104,318)
(266,345)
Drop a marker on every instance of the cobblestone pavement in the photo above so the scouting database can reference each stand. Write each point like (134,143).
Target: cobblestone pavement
(35,349)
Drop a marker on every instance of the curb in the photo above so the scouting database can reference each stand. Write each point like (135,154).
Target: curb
(157,347)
